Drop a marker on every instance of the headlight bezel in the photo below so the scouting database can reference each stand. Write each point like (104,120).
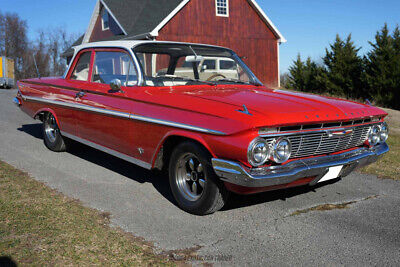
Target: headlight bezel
(251,152)
(275,157)
(374,135)
(384,129)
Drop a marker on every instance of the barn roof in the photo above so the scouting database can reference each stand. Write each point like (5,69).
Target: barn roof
(141,19)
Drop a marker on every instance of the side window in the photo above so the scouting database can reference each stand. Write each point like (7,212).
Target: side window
(227,65)
(114,65)
(81,71)
(210,64)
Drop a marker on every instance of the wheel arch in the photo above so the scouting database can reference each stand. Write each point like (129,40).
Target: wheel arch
(171,140)
(41,112)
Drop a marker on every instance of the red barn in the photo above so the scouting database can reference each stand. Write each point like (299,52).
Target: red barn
(238,24)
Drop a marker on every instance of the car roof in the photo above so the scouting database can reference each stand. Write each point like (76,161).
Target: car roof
(129,44)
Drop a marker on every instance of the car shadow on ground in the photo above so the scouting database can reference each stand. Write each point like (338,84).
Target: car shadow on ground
(239,201)
(124,168)
(160,179)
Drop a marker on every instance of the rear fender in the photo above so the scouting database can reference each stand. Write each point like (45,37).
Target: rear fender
(44,110)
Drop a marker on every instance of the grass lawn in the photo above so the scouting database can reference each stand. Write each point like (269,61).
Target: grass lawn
(42,227)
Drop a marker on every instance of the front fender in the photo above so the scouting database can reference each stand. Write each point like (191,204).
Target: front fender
(185,134)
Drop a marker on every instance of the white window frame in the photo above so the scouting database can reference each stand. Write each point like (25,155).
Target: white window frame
(227,9)
(103,12)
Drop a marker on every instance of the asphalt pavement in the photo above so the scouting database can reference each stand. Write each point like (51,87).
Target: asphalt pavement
(275,228)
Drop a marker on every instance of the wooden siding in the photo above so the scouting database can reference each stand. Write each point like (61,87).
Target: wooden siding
(243,31)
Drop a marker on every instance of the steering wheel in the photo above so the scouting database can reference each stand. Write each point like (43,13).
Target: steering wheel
(212,78)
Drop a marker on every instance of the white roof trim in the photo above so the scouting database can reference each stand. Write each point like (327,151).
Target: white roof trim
(265,17)
(168,18)
(112,15)
(92,22)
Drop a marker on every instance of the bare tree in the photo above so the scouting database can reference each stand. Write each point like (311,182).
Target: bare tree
(47,48)
(58,40)
(14,41)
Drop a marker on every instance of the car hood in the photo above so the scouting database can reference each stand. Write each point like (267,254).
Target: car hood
(267,107)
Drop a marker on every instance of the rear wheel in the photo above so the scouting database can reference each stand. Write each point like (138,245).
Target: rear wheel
(193,182)
(51,134)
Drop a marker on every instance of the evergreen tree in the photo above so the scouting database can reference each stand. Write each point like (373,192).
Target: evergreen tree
(296,78)
(344,69)
(382,74)
(304,76)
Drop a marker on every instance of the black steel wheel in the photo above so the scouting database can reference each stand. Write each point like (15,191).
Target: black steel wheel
(193,182)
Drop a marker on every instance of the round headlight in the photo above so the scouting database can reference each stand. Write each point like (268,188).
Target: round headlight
(384,132)
(258,152)
(374,135)
(281,151)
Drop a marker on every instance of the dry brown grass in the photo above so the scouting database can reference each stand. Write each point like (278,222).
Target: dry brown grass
(42,227)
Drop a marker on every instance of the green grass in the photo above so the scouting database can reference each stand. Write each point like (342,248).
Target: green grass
(40,226)
(389,165)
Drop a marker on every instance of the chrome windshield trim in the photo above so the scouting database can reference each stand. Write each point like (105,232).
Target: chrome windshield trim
(108,151)
(124,115)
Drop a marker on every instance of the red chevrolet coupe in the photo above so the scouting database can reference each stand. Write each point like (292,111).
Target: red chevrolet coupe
(213,126)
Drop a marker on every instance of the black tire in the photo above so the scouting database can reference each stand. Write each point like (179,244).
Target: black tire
(51,134)
(213,193)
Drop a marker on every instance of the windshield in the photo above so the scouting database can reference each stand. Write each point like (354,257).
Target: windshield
(168,64)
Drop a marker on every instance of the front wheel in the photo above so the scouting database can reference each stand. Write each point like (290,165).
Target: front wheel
(51,134)
(193,182)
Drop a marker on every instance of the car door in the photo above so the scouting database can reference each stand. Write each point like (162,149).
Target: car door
(106,120)
(69,88)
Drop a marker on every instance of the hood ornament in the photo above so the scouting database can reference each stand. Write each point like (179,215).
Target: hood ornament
(244,110)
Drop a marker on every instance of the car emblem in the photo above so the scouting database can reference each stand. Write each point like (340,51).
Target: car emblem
(339,133)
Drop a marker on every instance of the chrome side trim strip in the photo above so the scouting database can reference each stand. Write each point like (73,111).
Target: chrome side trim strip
(176,125)
(108,151)
(124,115)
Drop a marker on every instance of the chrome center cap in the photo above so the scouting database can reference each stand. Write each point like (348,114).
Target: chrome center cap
(193,176)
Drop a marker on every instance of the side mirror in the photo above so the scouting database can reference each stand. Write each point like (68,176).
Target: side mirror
(203,68)
(116,85)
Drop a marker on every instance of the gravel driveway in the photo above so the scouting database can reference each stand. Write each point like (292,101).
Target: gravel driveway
(283,227)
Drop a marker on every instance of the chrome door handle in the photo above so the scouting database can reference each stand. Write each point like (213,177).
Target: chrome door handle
(80,94)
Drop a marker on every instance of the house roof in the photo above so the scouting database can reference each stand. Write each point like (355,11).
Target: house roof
(140,19)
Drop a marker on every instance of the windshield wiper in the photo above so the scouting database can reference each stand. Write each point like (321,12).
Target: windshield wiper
(232,80)
(239,81)
(174,77)
(198,81)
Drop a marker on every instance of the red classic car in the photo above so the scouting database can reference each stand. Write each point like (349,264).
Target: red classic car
(214,134)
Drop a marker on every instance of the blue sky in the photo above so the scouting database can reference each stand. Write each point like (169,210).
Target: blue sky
(308,25)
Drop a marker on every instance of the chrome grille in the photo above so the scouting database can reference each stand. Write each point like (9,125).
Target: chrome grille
(317,143)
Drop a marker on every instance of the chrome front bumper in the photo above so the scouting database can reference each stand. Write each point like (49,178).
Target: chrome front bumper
(235,173)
